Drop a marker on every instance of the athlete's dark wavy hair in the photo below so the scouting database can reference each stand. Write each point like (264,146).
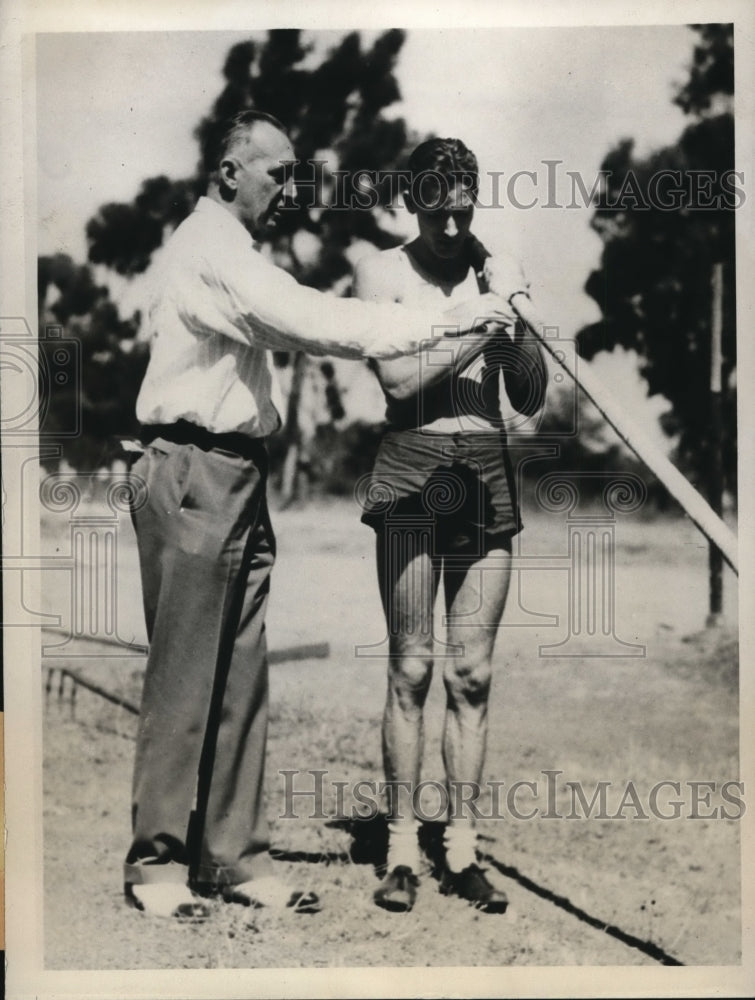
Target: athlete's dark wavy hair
(448,159)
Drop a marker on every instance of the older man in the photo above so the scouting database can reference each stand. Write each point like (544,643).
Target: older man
(208,401)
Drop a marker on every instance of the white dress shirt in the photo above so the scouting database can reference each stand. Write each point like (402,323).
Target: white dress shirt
(217,309)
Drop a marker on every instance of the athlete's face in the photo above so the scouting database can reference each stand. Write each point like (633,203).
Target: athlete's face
(444,230)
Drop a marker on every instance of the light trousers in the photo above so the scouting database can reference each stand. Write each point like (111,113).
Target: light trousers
(206,549)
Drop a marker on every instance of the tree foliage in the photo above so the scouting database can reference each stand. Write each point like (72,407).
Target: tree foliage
(334,106)
(89,396)
(665,220)
(124,236)
(712,71)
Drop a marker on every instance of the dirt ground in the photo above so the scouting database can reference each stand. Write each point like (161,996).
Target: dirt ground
(583,891)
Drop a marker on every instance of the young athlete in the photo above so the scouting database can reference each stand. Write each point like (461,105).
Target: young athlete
(442,502)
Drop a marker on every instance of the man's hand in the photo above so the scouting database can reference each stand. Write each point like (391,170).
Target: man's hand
(485,314)
(504,276)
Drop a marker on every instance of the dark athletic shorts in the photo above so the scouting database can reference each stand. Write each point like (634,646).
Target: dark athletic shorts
(460,486)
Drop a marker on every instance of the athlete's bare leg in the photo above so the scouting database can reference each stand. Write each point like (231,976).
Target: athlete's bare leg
(475,592)
(408,578)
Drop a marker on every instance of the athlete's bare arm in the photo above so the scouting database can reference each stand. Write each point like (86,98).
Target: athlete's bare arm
(378,278)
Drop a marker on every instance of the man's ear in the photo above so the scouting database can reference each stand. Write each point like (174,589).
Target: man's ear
(228,171)
(410,206)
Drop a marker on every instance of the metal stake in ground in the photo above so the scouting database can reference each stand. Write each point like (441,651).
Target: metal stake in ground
(715,442)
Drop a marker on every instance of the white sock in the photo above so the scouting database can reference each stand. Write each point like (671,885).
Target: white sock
(403,844)
(460,841)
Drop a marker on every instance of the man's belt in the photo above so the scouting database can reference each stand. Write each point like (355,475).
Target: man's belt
(183,432)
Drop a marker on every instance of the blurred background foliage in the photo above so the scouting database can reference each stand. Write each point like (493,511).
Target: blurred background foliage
(653,286)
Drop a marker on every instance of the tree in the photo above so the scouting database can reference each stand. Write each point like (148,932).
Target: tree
(332,110)
(93,388)
(664,221)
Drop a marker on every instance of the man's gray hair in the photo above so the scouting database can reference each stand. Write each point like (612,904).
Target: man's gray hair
(224,135)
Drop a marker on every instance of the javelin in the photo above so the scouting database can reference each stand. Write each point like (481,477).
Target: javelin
(695,505)
(685,494)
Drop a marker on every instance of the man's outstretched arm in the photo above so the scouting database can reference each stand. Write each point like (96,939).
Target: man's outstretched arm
(262,304)
(405,377)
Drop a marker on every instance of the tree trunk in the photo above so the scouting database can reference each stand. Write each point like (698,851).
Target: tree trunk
(290,490)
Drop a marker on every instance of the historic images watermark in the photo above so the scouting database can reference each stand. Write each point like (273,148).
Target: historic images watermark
(551,185)
(91,557)
(43,371)
(311,794)
(590,504)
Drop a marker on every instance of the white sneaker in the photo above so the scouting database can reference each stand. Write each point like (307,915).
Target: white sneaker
(167,899)
(271,891)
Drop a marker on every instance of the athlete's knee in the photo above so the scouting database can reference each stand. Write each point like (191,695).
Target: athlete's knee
(468,679)
(411,674)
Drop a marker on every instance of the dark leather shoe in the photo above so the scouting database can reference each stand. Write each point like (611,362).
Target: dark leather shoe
(472,885)
(398,890)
